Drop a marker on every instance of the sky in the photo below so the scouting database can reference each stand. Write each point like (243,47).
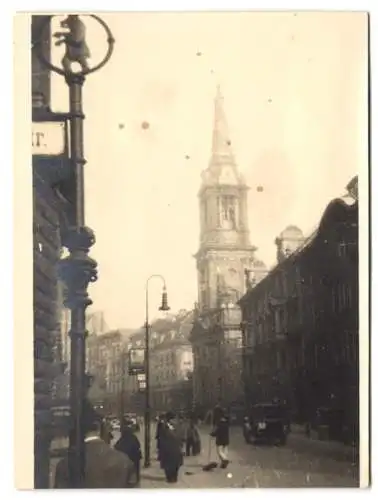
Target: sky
(295,96)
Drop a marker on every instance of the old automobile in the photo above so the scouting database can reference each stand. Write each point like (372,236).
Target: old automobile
(268,423)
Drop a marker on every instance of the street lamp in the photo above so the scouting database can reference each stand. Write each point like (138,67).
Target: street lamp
(147,414)
(78,269)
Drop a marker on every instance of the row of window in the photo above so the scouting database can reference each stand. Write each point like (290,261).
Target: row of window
(283,319)
(346,352)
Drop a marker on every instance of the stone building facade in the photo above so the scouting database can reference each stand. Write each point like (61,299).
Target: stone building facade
(171,366)
(171,363)
(107,364)
(53,205)
(300,323)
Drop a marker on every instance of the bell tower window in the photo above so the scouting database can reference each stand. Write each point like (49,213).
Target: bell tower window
(228,212)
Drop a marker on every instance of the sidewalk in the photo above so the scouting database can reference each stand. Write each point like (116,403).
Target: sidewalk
(191,474)
(332,449)
(298,441)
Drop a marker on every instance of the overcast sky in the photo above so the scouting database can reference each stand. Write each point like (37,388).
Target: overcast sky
(295,95)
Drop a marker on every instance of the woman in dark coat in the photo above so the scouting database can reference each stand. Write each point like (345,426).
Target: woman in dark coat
(221,433)
(171,458)
(129,444)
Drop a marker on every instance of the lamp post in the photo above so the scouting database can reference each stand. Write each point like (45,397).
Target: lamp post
(123,388)
(78,269)
(147,413)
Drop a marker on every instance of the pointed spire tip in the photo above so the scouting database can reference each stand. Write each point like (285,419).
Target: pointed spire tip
(219,92)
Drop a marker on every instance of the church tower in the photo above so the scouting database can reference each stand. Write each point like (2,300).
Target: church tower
(225,251)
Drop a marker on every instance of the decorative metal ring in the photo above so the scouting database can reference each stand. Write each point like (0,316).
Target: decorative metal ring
(40,54)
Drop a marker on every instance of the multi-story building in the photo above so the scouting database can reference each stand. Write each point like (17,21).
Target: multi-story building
(107,365)
(171,362)
(171,365)
(300,331)
(224,257)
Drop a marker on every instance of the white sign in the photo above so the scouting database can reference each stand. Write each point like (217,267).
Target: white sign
(48,138)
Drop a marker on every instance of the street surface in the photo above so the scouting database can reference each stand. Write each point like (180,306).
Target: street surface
(303,462)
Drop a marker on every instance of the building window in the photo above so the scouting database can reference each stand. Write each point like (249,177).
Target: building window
(342,249)
(344,296)
(228,211)
(349,295)
(334,300)
(278,360)
(205,212)
(260,333)
(315,357)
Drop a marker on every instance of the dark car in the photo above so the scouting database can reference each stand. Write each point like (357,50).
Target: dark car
(266,423)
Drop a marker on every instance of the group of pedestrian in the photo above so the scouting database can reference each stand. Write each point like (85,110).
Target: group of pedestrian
(105,466)
(119,466)
(176,437)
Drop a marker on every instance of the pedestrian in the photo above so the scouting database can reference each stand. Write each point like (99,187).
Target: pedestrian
(158,434)
(221,433)
(193,440)
(105,467)
(129,444)
(171,456)
(107,434)
(181,430)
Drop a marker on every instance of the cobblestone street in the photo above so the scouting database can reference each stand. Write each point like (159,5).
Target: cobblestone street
(302,463)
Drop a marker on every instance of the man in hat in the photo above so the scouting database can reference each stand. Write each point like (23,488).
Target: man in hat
(104,466)
(171,456)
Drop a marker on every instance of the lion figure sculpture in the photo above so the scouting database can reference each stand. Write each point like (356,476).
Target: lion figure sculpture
(77,50)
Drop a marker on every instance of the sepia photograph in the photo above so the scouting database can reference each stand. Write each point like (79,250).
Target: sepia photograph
(200,192)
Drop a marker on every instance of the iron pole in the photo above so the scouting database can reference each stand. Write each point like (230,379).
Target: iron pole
(147,411)
(78,327)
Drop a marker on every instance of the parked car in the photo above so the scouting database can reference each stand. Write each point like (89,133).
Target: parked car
(267,422)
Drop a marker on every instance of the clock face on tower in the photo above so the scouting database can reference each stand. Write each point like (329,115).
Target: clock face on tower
(228,176)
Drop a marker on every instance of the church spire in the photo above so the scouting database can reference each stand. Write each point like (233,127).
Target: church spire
(221,146)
